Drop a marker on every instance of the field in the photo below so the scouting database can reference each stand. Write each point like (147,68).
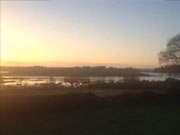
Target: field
(142,120)
(48,91)
(125,112)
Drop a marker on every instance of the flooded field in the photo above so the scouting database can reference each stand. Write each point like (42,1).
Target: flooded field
(34,80)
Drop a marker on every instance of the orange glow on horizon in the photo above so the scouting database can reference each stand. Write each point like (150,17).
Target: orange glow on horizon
(27,42)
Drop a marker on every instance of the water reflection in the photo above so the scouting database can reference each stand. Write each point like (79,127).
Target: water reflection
(35,80)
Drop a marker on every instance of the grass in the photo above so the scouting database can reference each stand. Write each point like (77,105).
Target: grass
(88,112)
(129,120)
(59,91)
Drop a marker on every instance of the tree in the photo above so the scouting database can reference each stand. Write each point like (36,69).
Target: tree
(171,55)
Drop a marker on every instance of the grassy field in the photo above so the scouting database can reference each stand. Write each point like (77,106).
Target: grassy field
(141,120)
(91,112)
(49,91)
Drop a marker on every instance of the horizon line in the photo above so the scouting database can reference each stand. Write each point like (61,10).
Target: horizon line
(80,66)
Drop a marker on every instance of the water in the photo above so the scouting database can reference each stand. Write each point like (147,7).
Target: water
(33,80)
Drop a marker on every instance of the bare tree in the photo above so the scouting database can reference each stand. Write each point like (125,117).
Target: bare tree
(171,55)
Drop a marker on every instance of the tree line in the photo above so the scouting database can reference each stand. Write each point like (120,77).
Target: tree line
(71,71)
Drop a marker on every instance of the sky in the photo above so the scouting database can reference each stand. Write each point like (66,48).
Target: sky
(120,33)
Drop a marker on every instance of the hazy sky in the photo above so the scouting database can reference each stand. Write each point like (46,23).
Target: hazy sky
(87,32)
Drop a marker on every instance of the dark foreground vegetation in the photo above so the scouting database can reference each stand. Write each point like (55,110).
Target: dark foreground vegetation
(142,112)
(89,114)
(81,101)
(126,120)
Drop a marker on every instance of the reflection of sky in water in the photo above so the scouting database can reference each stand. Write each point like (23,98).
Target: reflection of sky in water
(33,80)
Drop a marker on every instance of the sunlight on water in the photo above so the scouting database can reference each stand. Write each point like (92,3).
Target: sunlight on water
(35,80)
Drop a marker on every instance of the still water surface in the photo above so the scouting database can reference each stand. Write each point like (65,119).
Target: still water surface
(32,80)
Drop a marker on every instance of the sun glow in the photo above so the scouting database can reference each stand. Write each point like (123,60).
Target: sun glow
(40,33)
(21,46)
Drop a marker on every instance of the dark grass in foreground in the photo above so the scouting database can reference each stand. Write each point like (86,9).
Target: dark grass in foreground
(141,120)
(146,113)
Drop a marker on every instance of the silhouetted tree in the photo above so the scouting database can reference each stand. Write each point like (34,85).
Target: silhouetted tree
(171,56)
